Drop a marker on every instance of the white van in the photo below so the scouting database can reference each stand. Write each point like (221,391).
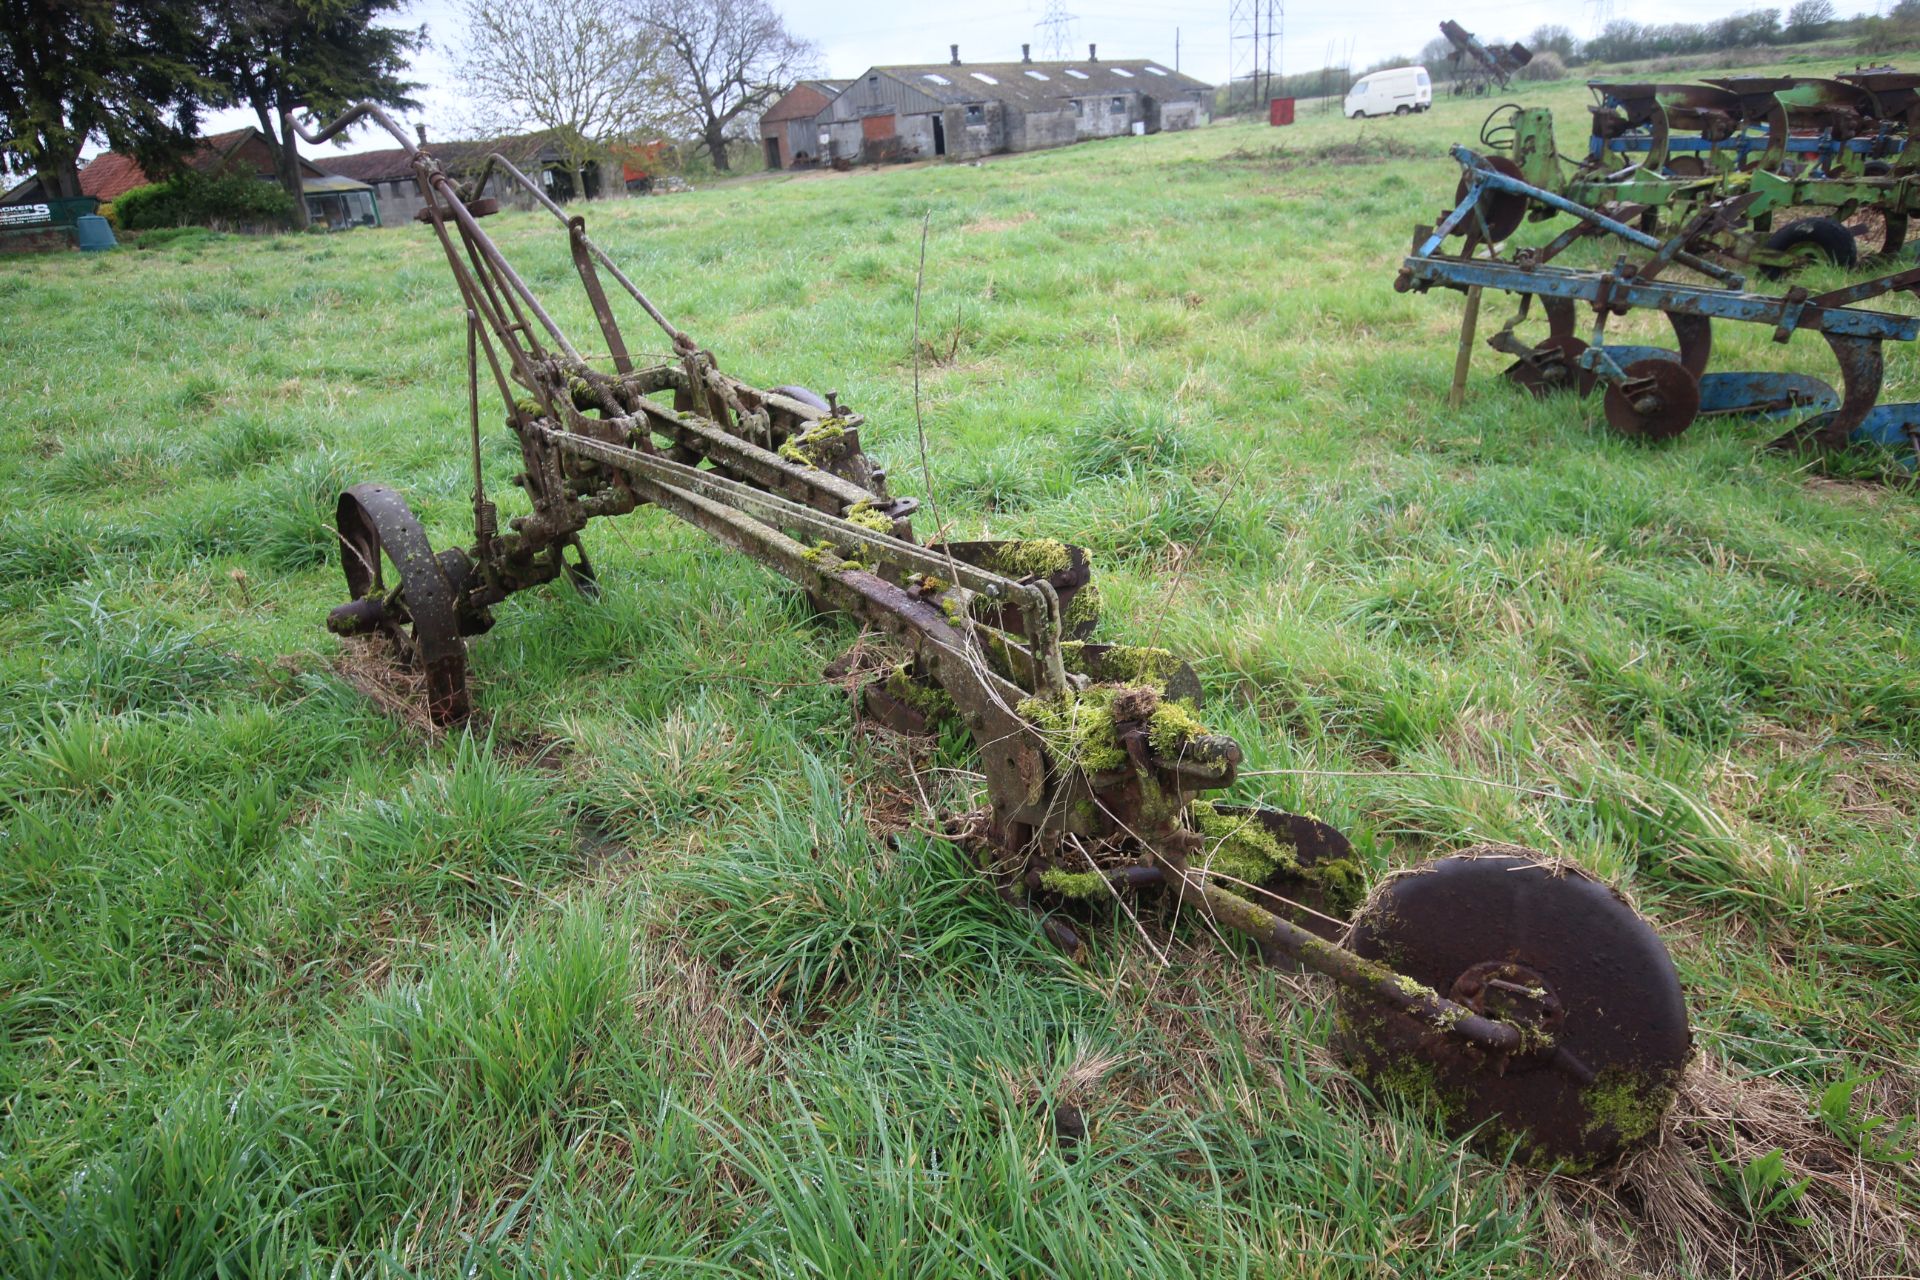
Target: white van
(1393,92)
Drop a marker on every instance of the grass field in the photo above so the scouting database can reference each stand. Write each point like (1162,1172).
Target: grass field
(662,969)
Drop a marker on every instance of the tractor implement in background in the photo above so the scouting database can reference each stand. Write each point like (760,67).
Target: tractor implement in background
(1531,1003)
(1836,145)
(1477,68)
(1654,393)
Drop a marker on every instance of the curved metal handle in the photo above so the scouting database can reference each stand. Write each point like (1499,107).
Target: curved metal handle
(358,112)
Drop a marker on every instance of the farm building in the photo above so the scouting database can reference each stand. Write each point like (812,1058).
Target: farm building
(974,109)
(332,202)
(788,134)
(390,173)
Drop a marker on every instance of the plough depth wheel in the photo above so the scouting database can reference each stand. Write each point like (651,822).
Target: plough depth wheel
(1545,947)
(418,612)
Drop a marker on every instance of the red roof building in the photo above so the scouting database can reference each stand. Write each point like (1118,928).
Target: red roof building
(111,174)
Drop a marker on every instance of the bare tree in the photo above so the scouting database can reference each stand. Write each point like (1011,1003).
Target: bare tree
(725,60)
(1810,18)
(585,70)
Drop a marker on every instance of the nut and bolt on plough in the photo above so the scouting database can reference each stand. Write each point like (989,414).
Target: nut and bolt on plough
(1652,393)
(1529,1001)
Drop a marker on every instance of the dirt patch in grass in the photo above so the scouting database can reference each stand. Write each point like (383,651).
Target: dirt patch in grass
(1874,788)
(1365,149)
(983,225)
(1743,1181)
(399,692)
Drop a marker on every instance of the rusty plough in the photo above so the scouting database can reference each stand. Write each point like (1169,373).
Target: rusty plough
(1528,1001)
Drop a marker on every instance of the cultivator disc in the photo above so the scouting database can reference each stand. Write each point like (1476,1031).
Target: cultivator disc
(1500,213)
(1658,400)
(1547,948)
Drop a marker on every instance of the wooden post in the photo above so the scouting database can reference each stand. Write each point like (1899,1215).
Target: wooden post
(1469,323)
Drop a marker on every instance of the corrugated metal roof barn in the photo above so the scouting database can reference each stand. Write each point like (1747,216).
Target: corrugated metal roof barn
(962,110)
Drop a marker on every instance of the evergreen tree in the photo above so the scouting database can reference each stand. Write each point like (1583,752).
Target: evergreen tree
(319,56)
(121,70)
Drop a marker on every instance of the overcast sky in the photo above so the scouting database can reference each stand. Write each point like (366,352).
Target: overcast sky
(852,38)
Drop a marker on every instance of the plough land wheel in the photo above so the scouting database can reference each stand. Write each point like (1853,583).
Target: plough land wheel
(1658,401)
(1813,240)
(401,590)
(1551,950)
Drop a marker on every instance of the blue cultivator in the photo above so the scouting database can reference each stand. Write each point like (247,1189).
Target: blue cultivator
(1653,393)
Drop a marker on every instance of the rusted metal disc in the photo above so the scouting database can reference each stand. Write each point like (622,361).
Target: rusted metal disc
(1661,400)
(421,618)
(1553,366)
(1502,210)
(1319,891)
(1552,950)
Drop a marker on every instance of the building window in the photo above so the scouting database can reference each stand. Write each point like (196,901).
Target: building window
(976,114)
(1077,110)
(1119,106)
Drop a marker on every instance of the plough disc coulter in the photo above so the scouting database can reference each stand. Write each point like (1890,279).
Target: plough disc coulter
(1649,392)
(1531,1004)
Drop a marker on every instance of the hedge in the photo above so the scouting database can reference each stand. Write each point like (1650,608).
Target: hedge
(194,199)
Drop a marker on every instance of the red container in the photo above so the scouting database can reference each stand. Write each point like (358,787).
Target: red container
(1280,111)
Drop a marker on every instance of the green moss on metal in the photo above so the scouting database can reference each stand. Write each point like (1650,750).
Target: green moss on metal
(815,446)
(1629,1104)
(832,558)
(1239,846)
(1124,663)
(1245,849)
(1031,558)
(1084,608)
(1074,884)
(1078,728)
(1414,990)
(867,517)
(1171,726)
(930,700)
